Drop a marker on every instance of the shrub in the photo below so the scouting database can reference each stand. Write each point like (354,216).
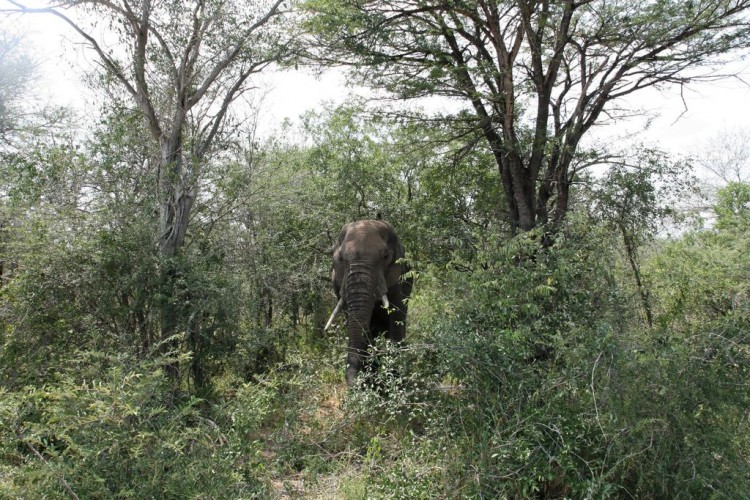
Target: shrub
(558,388)
(123,435)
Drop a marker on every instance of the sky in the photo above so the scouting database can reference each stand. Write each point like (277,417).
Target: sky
(682,124)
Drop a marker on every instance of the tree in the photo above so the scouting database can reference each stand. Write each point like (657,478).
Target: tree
(536,75)
(732,207)
(727,156)
(182,65)
(16,73)
(639,194)
(182,80)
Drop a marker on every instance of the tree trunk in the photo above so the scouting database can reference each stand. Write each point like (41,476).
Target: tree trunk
(176,205)
(631,250)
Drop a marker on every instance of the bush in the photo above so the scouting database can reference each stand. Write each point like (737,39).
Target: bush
(125,436)
(681,408)
(558,389)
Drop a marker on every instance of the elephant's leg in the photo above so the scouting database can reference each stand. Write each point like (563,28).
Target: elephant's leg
(358,351)
(397,324)
(398,295)
(378,326)
(397,329)
(354,365)
(380,321)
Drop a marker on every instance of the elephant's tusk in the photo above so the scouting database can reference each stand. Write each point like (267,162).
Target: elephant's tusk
(384,299)
(336,311)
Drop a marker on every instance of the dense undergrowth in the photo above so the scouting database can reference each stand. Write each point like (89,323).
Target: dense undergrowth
(165,258)
(530,373)
(595,359)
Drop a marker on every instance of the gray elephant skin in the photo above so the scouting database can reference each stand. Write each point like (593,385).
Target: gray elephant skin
(369,282)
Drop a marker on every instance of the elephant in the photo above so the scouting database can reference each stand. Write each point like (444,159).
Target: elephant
(369,281)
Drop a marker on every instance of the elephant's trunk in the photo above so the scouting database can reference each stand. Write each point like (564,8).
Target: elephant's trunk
(340,305)
(361,294)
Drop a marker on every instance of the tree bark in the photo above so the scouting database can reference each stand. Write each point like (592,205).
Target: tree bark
(631,251)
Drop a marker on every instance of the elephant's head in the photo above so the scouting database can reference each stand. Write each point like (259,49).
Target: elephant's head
(367,280)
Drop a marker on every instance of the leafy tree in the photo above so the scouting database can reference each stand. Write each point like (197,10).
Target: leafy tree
(639,195)
(700,295)
(17,70)
(432,185)
(702,276)
(536,75)
(452,196)
(80,233)
(29,128)
(353,151)
(338,165)
(182,66)
(732,207)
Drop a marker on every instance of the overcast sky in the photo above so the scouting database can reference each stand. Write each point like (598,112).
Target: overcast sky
(683,123)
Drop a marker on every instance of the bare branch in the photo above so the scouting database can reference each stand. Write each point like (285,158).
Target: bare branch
(233,53)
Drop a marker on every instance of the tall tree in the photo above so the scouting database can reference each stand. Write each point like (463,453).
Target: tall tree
(16,72)
(182,64)
(536,75)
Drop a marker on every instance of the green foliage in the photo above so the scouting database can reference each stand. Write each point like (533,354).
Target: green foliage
(733,206)
(352,154)
(456,194)
(519,348)
(512,95)
(437,189)
(527,370)
(637,199)
(560,392)
(702,277)
(643,193)
(680,406)
(115,435)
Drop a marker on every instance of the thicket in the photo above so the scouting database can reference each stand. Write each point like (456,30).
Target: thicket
(531,369)
(592,356)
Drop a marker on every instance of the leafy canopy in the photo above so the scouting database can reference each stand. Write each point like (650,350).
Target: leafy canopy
(535,75)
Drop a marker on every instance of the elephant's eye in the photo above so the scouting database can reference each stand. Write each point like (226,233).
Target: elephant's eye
(386,254)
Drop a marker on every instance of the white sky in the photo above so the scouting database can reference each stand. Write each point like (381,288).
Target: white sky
(711,107)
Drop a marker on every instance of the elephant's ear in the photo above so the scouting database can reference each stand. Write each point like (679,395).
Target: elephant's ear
(335,278)
(397,250)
